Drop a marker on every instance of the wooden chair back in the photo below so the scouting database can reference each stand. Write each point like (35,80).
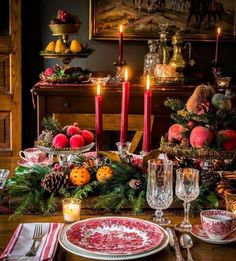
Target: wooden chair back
(111,122)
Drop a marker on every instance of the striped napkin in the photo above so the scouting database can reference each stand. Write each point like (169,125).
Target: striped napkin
(21,242)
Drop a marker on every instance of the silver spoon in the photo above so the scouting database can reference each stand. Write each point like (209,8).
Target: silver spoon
(186,242)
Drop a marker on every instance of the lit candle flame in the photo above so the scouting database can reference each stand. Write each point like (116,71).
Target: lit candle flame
(218,30)
(121,28)
(98,89)
(148,83)
(126,74)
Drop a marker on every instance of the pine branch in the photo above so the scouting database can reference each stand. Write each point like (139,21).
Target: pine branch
(83,192)
(174,104)
(138,202)
(51,124)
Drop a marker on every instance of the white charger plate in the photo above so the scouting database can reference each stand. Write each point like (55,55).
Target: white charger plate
(63,240)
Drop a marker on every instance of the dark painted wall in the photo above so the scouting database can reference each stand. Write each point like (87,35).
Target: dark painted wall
(36,35)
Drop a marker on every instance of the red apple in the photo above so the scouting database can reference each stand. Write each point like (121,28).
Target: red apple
(60,141)
(228,139)
(201,136)
(88,136)
(176,133)
(76,141)
(72,130)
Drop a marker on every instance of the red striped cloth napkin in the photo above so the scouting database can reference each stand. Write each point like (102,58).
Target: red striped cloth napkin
(21,241)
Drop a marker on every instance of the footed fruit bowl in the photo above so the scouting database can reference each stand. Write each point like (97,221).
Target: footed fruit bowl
(59,29)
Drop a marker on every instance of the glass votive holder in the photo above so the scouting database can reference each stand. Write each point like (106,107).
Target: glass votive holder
(3,177)
(230,201)
(71,209)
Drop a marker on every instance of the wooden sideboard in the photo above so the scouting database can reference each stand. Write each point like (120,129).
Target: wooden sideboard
(79,98)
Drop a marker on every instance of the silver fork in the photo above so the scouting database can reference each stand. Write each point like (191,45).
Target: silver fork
(37,236)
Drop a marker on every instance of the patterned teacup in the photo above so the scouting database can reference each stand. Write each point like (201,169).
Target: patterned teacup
(217,223)
(33,155)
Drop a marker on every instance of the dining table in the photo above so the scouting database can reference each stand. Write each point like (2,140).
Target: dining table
(201,251)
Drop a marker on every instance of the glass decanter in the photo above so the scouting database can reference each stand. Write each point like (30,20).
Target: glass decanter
(151,58)
(163,50)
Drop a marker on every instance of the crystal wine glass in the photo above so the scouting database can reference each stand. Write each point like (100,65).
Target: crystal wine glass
(160,188)
(186,189)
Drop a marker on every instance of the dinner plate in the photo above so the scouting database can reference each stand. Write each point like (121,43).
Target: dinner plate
(199,233)
(113,238)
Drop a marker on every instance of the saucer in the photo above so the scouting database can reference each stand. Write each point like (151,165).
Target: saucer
(199,233)
(28,164)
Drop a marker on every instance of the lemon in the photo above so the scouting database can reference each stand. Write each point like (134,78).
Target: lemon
(51,46)
(75,46)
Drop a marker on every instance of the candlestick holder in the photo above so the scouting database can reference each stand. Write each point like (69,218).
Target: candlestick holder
(123,150)
(120,71)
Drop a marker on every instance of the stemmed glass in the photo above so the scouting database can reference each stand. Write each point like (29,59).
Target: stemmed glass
(160,188)
(186,189)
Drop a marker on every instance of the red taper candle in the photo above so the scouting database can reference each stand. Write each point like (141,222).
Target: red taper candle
(98,119)
(147,117)
(121,44)
(124,109)
(218,33)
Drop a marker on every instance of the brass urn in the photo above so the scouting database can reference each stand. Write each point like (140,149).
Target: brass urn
(177,60)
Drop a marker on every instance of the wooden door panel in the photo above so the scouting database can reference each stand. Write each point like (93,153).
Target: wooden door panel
(5,130)
(10,77)
(4,73)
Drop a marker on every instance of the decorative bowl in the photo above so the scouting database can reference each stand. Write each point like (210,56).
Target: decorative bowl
(60,29)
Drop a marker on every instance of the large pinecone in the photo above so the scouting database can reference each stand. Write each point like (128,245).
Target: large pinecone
(53,181)
(210,179)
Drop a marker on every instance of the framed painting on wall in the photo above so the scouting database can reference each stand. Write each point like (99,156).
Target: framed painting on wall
(196,19)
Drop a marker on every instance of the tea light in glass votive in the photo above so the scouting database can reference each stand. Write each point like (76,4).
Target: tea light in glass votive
(71,209)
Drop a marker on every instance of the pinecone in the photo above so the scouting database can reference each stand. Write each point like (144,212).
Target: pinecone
(47,142)
(135,184)
(210,179)
(53,181)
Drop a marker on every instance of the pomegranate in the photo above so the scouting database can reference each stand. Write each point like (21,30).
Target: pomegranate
(201,136)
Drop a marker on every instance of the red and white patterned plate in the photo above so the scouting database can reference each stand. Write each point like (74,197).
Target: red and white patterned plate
(199,233)
(111,238)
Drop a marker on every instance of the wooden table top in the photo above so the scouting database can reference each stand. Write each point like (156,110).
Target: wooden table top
(201,251)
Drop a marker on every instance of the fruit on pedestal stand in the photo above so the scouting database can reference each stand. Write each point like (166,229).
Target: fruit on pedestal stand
(76,141)
(79,176)
(176,133)
(60,141)
(201,136)
(72,130)
(51,46)
(60,46)
(228,139)
(75,46)
(221,102)
(103,174)
(88,136)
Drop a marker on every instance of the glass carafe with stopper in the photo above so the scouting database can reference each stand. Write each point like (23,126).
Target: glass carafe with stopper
(151,58)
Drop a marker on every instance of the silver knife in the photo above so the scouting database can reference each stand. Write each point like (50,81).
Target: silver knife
(175,243)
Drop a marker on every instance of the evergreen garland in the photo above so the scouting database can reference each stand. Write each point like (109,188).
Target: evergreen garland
(116,193)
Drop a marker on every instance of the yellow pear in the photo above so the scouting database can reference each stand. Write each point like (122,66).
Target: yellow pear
(75,46)
(51,46)
(60,46)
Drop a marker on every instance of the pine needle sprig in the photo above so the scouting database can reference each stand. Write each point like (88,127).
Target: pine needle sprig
(51,124)
(174,104)
(84,192)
